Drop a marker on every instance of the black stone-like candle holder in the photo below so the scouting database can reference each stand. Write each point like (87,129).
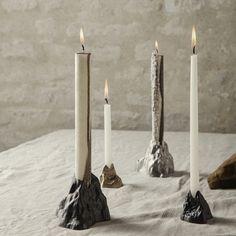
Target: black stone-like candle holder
(109,178)
(196,210)
(83,206)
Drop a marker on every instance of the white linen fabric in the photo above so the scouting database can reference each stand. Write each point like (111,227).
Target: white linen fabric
(36,176)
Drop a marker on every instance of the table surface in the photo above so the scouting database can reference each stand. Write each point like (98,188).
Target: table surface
(35,176)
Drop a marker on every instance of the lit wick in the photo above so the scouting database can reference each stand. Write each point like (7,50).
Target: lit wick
(82,38)
(156,45)
(106,92)
(194,40)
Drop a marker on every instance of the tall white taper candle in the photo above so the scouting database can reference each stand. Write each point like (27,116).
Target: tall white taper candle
(107,128)
(82,110)
(194,159)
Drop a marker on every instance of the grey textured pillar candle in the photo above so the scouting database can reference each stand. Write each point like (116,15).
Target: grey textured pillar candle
(157,162)
(157,97)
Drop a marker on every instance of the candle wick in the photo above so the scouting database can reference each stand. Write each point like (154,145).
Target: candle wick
(83,47)
(194,50)
(106,100)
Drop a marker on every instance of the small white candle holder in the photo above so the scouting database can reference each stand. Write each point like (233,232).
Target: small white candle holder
(196,209)
(109,178)
(158,162)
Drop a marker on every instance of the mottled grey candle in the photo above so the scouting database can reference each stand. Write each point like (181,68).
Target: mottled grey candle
(157,97)
(158,161)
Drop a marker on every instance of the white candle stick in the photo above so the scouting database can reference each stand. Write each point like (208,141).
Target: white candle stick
(194,159)
(107,128)
(82,110)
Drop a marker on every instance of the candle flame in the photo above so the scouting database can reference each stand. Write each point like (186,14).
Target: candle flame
(106,90)
(81,36)
(156,45)
(194,38)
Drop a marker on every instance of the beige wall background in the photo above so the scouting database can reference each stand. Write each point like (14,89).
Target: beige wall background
(38,39)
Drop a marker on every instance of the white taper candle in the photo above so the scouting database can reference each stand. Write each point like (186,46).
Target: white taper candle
(194,159)
(107,128)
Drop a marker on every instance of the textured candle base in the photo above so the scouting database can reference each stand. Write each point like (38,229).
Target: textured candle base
(196,210)
(109,178)
(224,177)
(158,162)
(84,205)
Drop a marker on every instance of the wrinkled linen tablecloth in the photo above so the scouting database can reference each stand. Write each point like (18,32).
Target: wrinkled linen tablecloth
(35,176)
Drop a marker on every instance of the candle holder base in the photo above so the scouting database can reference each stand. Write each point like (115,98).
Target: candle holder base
(158,162)
(83,206)
(196,210)
(109,178)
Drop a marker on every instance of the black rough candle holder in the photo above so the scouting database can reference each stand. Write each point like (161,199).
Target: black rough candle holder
(196,210)
(84,205)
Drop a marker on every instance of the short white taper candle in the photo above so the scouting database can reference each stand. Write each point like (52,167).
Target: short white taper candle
(107,128)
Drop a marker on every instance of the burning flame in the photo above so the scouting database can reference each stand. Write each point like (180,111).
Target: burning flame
(106,90)
(81,36)
(194,39)
(156,45)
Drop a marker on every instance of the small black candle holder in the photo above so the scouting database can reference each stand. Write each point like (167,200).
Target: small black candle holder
(84,205)
(109,178)
(196,210)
